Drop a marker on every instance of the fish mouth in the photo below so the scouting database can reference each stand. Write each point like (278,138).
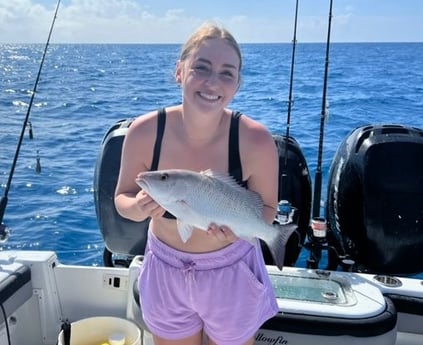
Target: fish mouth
(142,183)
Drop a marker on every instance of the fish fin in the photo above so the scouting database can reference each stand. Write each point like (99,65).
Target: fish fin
(252,196)
(184,229)
(278,246)
(228,179)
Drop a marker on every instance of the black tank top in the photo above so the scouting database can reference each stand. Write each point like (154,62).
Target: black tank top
(235,167)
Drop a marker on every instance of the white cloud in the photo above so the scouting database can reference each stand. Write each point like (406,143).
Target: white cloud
(22,20)
(89,21)
(113,21)
(130,21)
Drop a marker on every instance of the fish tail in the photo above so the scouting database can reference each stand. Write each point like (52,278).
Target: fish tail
(278,245)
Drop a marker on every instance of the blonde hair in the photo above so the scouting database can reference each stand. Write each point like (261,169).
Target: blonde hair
(209,30)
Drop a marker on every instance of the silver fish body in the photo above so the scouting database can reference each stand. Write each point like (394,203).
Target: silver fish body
(199,199)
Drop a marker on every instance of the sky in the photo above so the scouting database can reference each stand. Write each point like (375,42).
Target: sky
(171,21)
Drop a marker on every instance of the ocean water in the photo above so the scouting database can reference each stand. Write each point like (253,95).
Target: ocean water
(84,89)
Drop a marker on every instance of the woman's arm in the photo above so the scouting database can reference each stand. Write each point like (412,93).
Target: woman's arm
(260,164)
(130,201)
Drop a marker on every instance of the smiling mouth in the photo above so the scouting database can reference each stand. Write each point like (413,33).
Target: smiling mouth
(209,97)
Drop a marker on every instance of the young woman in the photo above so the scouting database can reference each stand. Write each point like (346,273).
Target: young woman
(214,282)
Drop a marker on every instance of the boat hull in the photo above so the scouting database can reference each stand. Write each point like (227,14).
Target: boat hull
(39,293)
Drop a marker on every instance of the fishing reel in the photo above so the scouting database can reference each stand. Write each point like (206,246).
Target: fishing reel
(318,241)
(4,233)
(286,212)
(4,230)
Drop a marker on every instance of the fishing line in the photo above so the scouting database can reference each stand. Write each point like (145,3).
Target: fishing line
(318,176)
(4,199)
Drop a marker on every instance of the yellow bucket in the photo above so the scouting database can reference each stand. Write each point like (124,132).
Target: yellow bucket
(97,330)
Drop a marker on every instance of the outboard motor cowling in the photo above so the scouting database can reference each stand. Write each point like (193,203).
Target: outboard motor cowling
(294,187)
(375,199)
(121,235)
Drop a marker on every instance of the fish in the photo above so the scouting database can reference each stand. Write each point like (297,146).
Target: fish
(198,199)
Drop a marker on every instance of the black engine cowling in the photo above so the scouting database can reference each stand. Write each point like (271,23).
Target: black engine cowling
(375,199)
(121,235)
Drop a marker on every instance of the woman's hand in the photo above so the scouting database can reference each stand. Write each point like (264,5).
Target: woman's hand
(148,206)
(222,233)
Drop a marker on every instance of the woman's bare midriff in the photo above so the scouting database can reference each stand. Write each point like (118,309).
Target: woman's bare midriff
(199,242)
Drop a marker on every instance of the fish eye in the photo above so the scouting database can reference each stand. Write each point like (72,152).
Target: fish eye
(164,176)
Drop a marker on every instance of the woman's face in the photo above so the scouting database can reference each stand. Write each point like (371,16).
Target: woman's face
(210,75)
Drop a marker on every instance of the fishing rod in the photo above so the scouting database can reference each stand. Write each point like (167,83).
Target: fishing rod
(291,82)
(4,199)
(284,205)
(318,176)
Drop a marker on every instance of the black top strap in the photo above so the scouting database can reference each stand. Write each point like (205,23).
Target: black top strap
(235,167)
(161,122)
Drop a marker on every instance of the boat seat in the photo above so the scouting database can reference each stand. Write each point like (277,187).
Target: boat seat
(375,199)
(128,238)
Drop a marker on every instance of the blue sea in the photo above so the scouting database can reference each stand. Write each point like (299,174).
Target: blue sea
(84,89)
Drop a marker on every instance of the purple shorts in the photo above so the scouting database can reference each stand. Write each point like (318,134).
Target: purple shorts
(227,292)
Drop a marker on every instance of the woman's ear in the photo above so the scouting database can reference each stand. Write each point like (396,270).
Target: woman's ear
(239,84)
(178,72)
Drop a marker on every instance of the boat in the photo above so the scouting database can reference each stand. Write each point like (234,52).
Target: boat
(371,233)
(361,299)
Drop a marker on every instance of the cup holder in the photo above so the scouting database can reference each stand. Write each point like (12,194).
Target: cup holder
(388,281)
(330,295)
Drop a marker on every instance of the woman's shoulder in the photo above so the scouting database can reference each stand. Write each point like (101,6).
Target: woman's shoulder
(150,118)
(253,131)
(142,131)
(144,120)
